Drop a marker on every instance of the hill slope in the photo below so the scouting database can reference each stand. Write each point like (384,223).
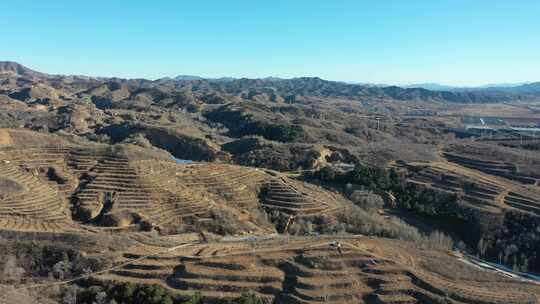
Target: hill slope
(16,69)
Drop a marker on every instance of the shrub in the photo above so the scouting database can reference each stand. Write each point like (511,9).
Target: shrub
(54,261)
(249,298)
(300,227)
(111,293)
(223,223)
(11,270)
(69,294)
(438,240)
(125,293)
(359,221)
(367,200)
(195,299)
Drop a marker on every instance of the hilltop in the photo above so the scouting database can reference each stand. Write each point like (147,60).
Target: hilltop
(16,69)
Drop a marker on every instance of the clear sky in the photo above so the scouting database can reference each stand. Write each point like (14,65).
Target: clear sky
(459,42)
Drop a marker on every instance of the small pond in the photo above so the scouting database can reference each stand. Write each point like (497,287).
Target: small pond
(182,161)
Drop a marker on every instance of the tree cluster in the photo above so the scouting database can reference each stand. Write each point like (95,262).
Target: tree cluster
(131,293)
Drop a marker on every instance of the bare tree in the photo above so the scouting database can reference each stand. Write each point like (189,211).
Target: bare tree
(11,270)
(70,295)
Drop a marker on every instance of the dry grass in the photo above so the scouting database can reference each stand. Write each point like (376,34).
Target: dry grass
(317,272)
(5,138)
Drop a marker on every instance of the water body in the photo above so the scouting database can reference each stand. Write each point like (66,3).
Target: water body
(182,161)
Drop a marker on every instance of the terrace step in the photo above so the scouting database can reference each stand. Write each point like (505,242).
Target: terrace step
(260,275)
(227,286)
(337,295)
(396,299)
(144,274)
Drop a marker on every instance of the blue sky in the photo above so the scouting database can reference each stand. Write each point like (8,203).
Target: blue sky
(460,42)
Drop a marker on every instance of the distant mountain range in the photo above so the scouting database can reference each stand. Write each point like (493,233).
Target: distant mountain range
(529,88)
(288,89)
(503,87)
(431,86)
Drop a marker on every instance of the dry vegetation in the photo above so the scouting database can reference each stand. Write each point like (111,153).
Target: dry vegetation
(271,175)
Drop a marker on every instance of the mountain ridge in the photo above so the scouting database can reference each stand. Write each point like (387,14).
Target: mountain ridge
(279,88)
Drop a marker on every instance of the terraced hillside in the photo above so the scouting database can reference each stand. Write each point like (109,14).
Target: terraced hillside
(524,202)
(48,163)
(33,204)
(312,271)
(249,188)
(128,190)
(237,186)
(116,185)
(90,179)
(479,190)
(286,197)
(476,193)
(502,169)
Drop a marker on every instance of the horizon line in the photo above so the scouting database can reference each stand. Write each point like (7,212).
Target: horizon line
(352,82)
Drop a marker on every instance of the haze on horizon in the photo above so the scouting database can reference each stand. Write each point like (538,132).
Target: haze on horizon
(460,42)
